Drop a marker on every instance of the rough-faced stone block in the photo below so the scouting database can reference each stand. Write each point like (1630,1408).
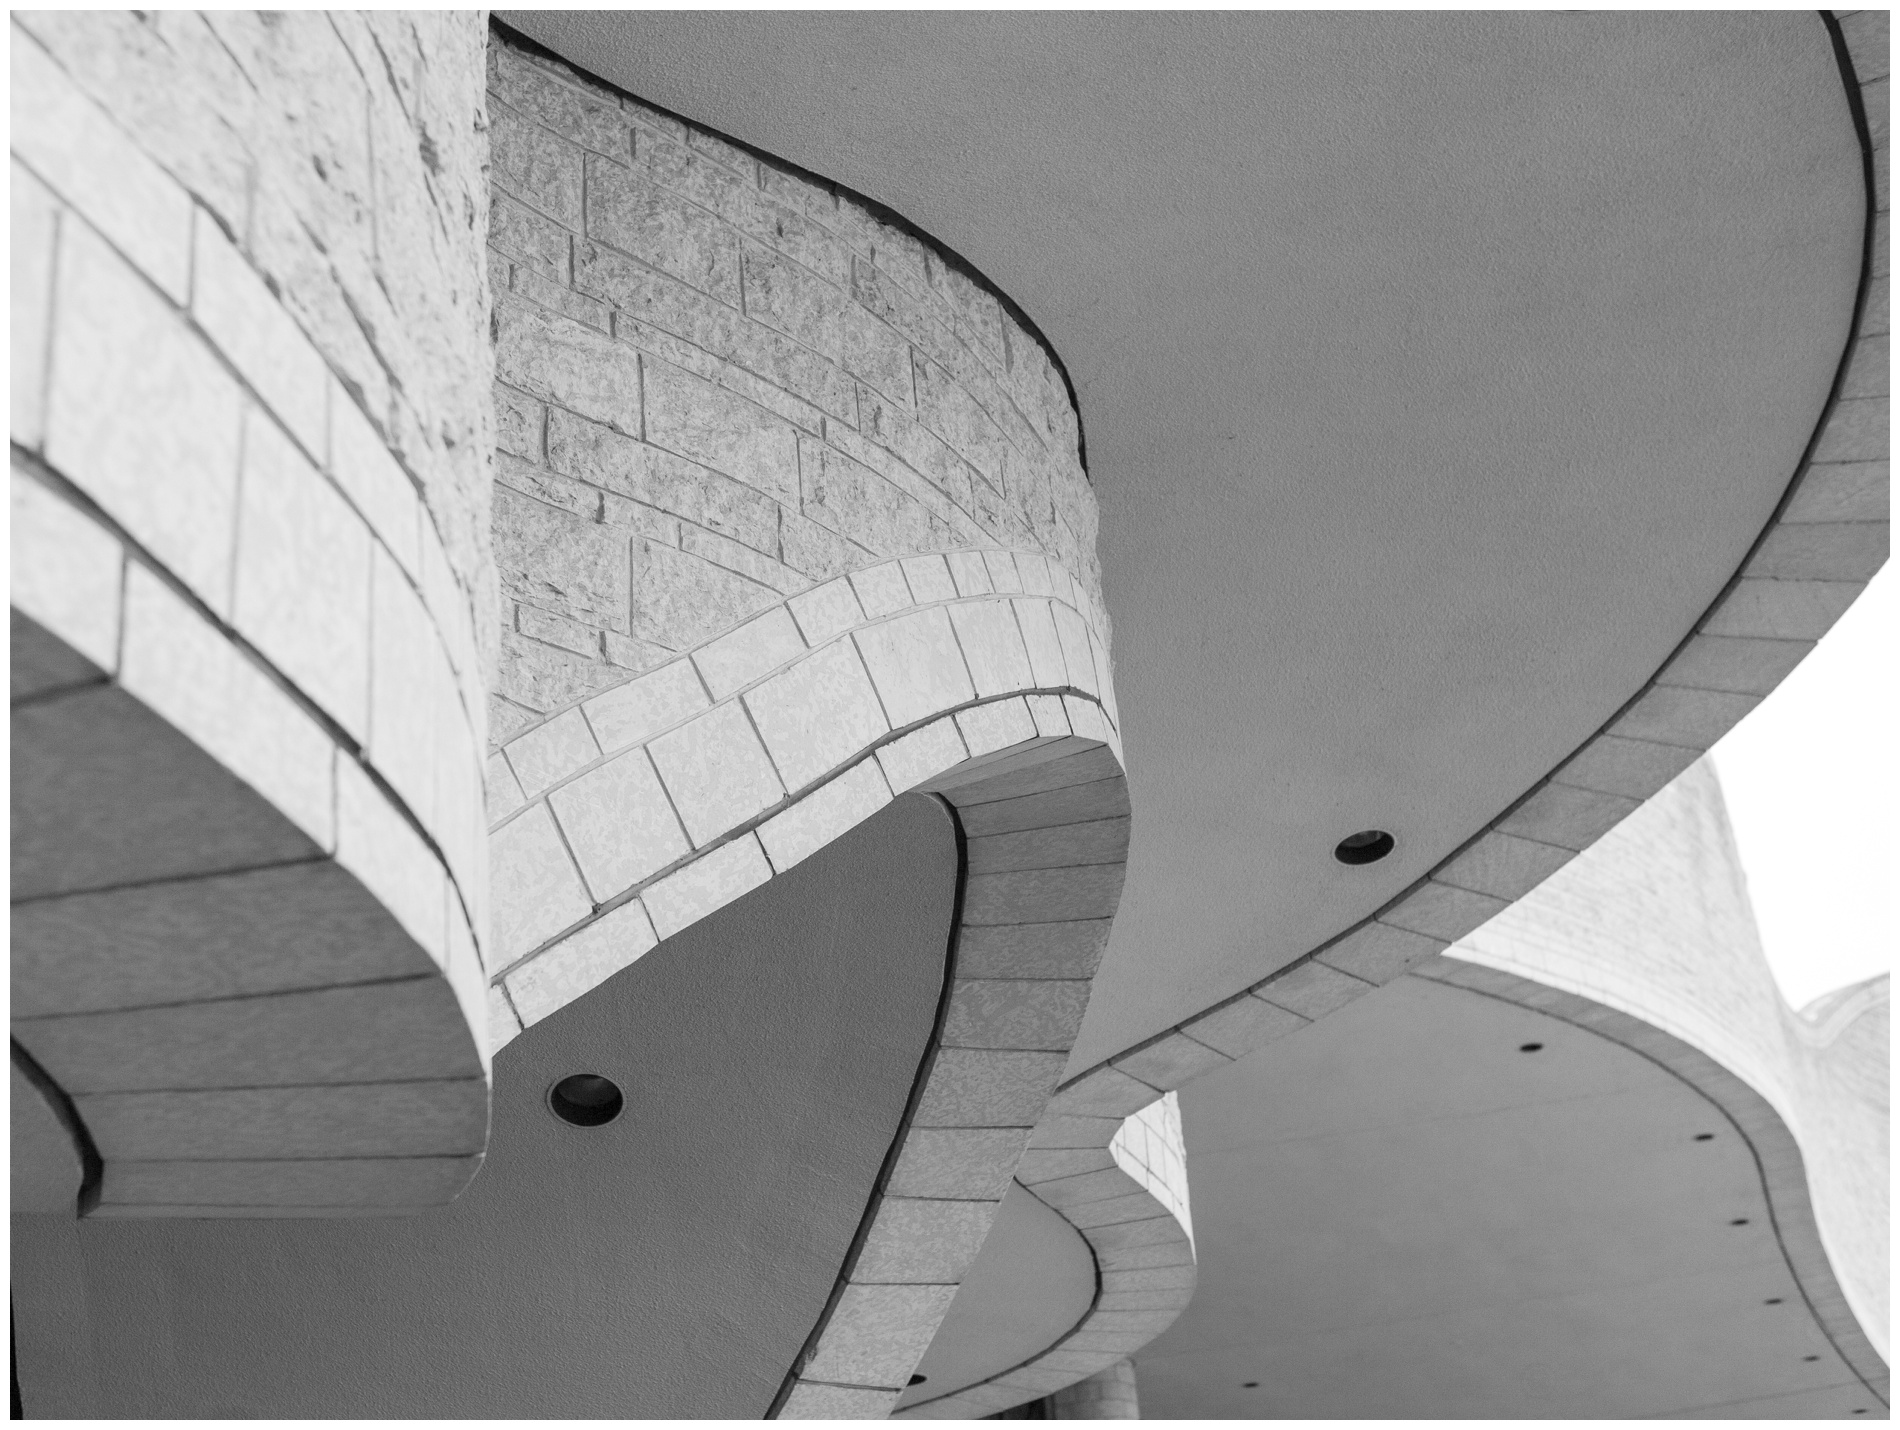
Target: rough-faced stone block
(1015,1013)
(824,814)
(1440,911)
(91,163)
(916,665)
(919,1241)
(973,1163)
(618,824)
(1635,769)
(688,415)
(627,211)
(818,714)
(877,1334)
(716,772)
(141,417)
(1171,1061)
(1088,891)
(537,890)
(881,590)
(976,1088)
(251,328)
(993,646)
(1673,715)
(1241,1025)
(1000,725)
(535,166)
(1782,610)
(569,364)
(710,882)
(551,752)
(1100,841)
(1048,950)
(737,659)
(66,573)
(1378,953)
(581,962)
(1042,644)
(183,668)
(826,611)
(639,709)
(929,579)
(1503,865)
(914,758)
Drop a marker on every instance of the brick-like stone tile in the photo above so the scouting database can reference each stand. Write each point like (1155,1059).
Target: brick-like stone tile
(817,714)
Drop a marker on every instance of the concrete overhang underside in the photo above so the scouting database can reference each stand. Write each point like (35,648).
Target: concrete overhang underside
(1439,373)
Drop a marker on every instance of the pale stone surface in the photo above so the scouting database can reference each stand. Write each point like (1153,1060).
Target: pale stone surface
(32,232)
(188,672)
(909,761)
(828,611)
(378,846)
(584,961)
(1043,645)
(878,1333)
(134,392)
(915,1240)
(618,824)
(230,302)
(639,709)
(817,714)
(538,891)
(716,772)
(993,647)
(407,671)
(997,726)
(550,753)
(759,646)
(966,1162)
(1440,911)
(66,572)
(1014,1013)
(916,665)
(1378,953)
(824,814)
(374,480)
(91,163)
(881,590)
(929,578)
(302,586)
(1312,989)
(709,882)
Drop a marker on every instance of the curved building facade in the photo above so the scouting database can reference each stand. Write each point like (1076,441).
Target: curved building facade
(530,586)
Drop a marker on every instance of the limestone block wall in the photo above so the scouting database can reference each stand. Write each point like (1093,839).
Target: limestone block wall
(251,433)
(721,383)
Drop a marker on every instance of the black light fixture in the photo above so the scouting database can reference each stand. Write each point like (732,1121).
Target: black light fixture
(1705,1137)
(1530,1047)
(1772,1301)
(1250,1385)
(1368,846)
(917,1380)
(585,1100)
(1738,1221)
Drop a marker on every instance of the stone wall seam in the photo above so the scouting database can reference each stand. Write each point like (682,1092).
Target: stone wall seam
(226,253)
(719,333)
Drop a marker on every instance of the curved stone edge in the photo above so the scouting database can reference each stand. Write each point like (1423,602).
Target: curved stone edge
(255,1133)
(1045,836)
(627,816)
(1123,1186)
(1826,541)
(1771,1140)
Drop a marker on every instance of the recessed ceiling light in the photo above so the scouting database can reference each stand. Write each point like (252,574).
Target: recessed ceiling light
(1705,1137)
(1738,1221)
(917,1380)
(1250,1385)
(1810,1357)
(585,1100)
(1772,1301)
(1530,1047)
(1368,846)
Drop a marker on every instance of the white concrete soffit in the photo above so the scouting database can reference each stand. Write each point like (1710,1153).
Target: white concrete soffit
(1827,537)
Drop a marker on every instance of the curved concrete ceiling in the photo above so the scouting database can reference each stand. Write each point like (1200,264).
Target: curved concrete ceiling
(1437,372)
(1408,1217)
(671,1263)
(1033,1280)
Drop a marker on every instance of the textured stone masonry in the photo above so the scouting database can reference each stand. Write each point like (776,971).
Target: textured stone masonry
(720,384)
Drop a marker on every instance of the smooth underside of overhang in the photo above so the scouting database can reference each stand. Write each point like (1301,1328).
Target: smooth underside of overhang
(1437,371)
(671,1263)
(1416,1219)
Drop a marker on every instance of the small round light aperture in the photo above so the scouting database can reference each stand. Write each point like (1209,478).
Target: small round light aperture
(917,1380)
(1368,846)
(585,1100)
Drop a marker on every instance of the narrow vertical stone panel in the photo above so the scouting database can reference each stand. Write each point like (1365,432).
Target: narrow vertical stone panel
(252,601)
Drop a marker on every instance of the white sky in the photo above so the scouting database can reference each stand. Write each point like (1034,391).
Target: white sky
(1809,780)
